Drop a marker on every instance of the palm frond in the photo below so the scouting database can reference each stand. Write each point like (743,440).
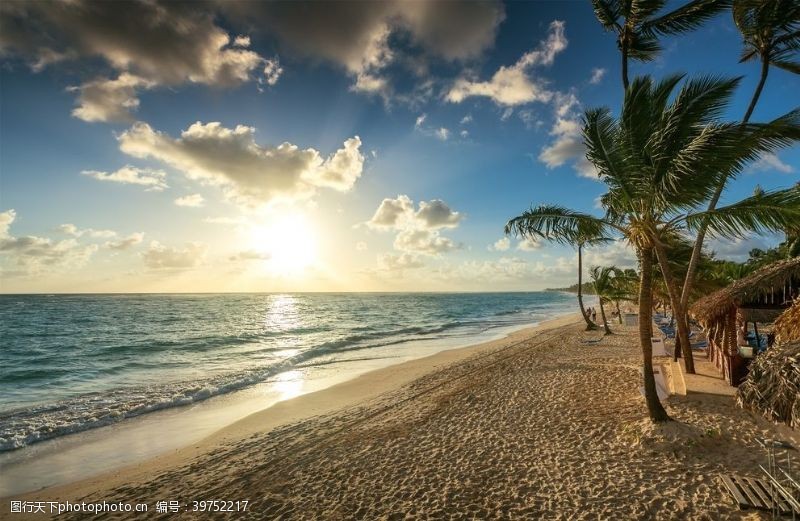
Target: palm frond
(765,212)
(687,17)
(558,224)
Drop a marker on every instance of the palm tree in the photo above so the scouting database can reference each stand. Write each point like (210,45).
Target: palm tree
(660,162)
(584,236)
(637,24)
(624,287)
(771,32)
(603,282)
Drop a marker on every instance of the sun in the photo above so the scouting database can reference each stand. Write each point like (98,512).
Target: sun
(288,242)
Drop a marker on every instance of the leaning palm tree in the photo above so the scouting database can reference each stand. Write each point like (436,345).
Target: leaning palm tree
(603,282)
(637,24)
(582,237)
(661,161)
(770,31)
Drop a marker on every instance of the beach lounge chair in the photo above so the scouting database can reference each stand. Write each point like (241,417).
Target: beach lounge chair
(661,385)
(659,349)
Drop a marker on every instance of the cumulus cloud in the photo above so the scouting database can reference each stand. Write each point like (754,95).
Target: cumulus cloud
(192,200)
(736,249)
(418,230)
(147,43)
(159,256)
(248,172)
(502,244)
(513,85)
(769,162)
(153,180)
(528,244)
(567,145)
(361,37)
(104,99)
(32,254)
(597,75)
(618,253)
(126,242)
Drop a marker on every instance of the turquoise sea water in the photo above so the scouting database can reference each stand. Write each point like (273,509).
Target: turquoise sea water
(69,363)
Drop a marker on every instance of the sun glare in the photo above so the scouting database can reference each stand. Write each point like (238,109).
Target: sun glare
(289,243)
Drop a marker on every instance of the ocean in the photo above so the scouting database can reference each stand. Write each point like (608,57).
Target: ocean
(71,363)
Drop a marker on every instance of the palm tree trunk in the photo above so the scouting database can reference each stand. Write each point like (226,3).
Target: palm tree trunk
(589,325)
(619,314)
(654,407)
(624,63)
(680,313)
(759,88)
(712,204)
(605,322)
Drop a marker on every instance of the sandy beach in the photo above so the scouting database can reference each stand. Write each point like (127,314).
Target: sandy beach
(539,424)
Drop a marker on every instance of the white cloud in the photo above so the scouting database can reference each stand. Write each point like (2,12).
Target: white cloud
(512,85)
(424,241)
(736,249)
(361,246)
(105,99)
(502,244)
(618,253)
(528,244)
(125,243)
(192,200)
(272,71)
(420,120)
(769,162)
(154,180)
(568,145)
(158,256)
(248,172)
(399,262)
(464,134)
(74,231)
(241,41)
(417,230)
(466,119)
(32,254)
(442,133)
(597,75)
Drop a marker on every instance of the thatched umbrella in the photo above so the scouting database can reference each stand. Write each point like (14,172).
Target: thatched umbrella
(787,326)
(772,388)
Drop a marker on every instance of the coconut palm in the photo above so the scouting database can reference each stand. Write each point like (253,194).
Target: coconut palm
(637,24)
(624,287)
(770,31)
(582,237)
(603,282)
(661,160)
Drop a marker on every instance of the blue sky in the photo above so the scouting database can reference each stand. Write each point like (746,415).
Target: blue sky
(464,113)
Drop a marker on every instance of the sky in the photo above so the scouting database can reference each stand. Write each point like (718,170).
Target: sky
(329,146)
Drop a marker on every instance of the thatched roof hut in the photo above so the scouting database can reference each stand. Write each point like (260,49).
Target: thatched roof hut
(787,327)
(760,297)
